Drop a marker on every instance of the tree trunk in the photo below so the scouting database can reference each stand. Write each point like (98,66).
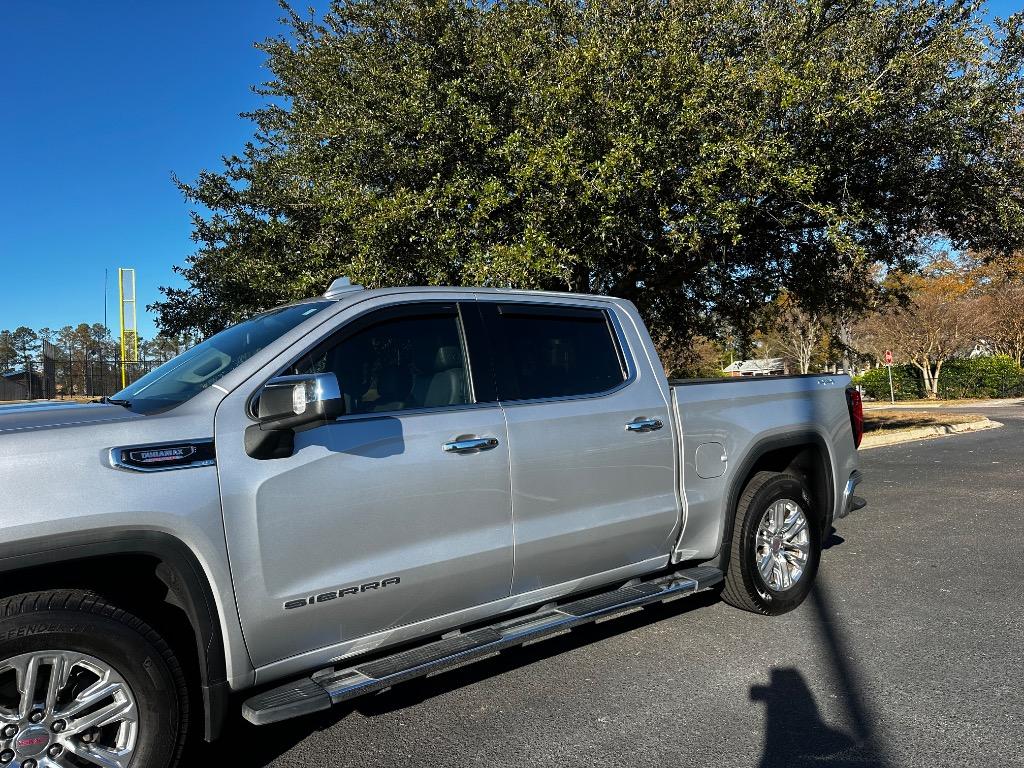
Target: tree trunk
(935,382)
(926,375)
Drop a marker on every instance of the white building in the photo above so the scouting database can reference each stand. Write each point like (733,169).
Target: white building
(772,366)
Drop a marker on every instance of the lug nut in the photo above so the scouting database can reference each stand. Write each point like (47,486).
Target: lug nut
(9,732)
(30,763)
(6,756)
(55,750)
(58,726)
(36,717)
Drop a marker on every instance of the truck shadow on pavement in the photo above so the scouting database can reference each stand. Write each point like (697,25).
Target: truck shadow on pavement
(795,735)
(247,746)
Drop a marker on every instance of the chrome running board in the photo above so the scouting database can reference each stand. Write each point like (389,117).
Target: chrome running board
(328,687)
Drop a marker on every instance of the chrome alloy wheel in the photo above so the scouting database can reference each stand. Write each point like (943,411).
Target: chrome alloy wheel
(782,545)
(61,709)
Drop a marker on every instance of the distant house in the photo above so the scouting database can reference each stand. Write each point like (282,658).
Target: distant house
(981,349)
(772,366)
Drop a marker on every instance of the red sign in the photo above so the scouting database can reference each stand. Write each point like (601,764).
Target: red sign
(888,357)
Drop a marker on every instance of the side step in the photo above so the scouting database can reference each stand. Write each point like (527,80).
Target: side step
(328,687)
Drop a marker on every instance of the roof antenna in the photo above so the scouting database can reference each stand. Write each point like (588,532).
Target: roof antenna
(340,287)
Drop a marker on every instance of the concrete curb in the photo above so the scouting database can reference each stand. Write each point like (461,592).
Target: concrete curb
(877,440)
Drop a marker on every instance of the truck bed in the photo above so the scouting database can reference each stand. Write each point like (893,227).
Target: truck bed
(722,422)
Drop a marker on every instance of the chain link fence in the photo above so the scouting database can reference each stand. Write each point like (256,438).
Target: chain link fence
(75,378)
(97,378)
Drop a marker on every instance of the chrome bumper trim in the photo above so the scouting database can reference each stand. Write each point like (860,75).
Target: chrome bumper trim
(850,501)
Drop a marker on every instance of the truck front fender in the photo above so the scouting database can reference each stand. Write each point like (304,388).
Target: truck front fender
(178,568)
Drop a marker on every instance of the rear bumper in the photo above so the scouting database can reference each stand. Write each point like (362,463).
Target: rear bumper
(852,502)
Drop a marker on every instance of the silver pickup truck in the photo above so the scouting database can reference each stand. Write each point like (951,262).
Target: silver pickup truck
(351,491)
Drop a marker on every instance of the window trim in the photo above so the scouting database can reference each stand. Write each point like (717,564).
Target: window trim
(492,322)
(365,319)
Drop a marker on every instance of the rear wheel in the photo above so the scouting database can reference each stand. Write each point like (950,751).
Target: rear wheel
(776,545)
(83,684)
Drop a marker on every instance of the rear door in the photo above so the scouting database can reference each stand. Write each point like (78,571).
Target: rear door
(387,516)
(590,441)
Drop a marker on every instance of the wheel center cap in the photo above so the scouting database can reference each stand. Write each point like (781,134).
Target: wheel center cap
(776,544)
(31,741)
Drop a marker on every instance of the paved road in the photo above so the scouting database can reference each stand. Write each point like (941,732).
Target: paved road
(910,653)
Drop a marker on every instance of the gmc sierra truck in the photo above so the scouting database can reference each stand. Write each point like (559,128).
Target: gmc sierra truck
(347,492)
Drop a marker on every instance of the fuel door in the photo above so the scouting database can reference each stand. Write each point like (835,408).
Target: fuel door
(711,460)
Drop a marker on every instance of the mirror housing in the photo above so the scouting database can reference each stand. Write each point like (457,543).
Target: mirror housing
(297,402)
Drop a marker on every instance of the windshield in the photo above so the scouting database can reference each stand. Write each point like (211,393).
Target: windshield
(191,372)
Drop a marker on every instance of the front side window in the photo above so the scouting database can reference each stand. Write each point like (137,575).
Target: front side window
(558,352)
(397,363)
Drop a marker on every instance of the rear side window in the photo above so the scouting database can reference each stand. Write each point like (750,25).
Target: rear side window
(556,352)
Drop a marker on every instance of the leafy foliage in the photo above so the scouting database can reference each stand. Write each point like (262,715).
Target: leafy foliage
(995,376)
(906,383)
(696,357)
(696,156)
(8,351)
(977,377)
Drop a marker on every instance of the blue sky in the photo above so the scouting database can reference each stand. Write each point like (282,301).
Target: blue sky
(103,102)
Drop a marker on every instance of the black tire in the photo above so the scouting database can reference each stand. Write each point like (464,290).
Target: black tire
(744,586)
(83,622)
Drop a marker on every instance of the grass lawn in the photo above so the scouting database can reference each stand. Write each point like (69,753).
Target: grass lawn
(875,421)
(882,404)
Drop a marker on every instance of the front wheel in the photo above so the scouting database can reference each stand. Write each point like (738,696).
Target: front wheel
(776,545)
(83,684)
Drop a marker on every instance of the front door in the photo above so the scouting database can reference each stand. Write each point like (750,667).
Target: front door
(375,521)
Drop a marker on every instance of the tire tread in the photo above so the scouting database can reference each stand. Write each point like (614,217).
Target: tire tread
(735,592)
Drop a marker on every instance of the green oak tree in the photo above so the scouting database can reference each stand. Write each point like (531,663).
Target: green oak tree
(698,157)
(26,344)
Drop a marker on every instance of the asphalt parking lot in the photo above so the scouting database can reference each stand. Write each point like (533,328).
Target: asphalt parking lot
(909,653)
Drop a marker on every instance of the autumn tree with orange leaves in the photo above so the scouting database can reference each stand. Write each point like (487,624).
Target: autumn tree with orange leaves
(1001,305)
(941,319)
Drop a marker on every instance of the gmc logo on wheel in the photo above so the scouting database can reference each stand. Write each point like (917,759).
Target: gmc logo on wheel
(32,741)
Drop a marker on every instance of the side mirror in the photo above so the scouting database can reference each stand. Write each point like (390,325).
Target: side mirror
(294,402)
(290,403)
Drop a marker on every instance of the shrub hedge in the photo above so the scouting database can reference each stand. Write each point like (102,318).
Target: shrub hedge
(906,383)
(980,377)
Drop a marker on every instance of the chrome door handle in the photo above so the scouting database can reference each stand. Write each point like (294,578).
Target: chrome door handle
(644,425)
(470,445)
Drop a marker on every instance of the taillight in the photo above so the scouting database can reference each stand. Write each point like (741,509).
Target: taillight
(856,406)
